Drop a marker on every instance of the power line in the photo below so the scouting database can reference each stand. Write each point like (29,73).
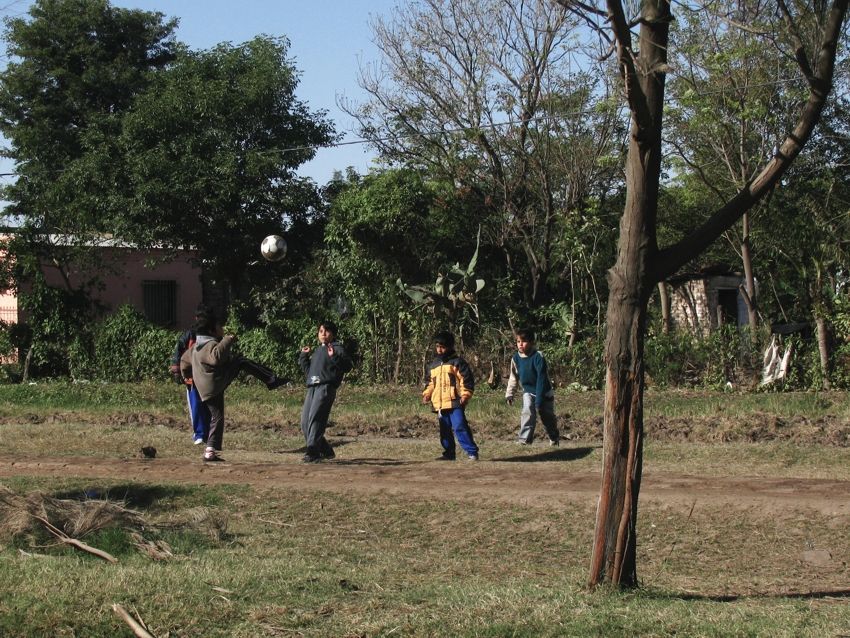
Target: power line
(487,126)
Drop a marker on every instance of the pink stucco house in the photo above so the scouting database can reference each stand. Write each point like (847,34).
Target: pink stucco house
(165,292)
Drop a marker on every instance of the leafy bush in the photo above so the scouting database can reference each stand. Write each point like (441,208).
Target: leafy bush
(81,360)
(840,362)
(115,344)
(259,344)
(673,359)
(582,364)
(57,318)
(152,353)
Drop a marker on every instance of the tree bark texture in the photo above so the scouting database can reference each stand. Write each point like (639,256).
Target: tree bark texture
(664,299)
(749,278)
(823,349)
(631,282)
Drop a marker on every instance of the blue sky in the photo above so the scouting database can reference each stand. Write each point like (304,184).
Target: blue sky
(329,39)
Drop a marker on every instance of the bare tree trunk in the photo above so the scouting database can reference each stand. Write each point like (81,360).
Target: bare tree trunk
(614,554)
(630,283)
(376,349)
(823,348)
(399,352)
(25,373)
(664,298)
(640,264)
(573,308)
(749,279)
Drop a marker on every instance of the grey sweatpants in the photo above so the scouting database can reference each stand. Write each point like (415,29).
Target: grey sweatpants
(314,415)
(528,418)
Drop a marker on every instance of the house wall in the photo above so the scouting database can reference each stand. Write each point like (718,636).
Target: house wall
(694,304)
(124,271)
(689,308)
(8,299)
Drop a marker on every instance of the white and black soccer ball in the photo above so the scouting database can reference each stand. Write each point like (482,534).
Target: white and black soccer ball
(273,248)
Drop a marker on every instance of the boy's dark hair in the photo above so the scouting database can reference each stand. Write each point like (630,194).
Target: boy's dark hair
(202,309)
(526,334)
(205,323)
(330,326)
(445,338)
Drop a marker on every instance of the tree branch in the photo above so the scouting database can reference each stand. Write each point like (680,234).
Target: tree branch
(134,625)
(674,257)
(64,538)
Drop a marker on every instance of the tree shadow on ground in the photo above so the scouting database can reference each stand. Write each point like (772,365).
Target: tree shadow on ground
(303,449)
(731,598)
(136,496)
(374,461)
(553,454)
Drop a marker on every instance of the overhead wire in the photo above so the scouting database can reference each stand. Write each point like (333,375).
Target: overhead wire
(485,126)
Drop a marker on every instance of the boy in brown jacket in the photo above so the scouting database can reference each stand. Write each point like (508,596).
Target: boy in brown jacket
(212,367)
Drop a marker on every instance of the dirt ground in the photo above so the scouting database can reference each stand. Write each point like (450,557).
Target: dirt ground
(504,480)
(507,479)
(512,479)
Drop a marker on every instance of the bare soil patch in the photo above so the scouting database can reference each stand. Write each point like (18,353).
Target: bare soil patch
(505,480)
(830,430)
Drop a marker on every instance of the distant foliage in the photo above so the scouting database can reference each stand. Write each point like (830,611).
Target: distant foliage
(115,341)
(151,354)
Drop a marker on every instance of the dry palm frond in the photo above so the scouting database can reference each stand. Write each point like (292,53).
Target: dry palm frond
(157,550)
(211,522)
(25,514)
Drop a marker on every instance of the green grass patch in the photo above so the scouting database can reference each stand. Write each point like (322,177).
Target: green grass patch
(296,562)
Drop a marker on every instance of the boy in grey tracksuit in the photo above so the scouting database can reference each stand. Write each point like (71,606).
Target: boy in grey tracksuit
(324,368)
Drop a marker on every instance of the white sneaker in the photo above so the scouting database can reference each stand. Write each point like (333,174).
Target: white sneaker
(554,443)
(197,441)
(210,455)
(473,457)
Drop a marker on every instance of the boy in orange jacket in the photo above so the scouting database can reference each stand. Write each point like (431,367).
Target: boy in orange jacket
(449,386)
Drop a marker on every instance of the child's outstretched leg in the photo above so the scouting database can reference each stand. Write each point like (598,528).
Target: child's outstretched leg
(261,372)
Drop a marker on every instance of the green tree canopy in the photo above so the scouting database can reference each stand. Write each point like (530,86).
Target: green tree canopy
(75,68)
(211,152)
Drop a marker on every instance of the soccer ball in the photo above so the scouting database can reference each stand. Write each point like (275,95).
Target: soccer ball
(273,248)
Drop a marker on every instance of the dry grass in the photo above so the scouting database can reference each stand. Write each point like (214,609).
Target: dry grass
(299,562)
(22,515)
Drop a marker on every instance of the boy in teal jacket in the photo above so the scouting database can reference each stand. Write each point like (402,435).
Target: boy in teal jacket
(528,370)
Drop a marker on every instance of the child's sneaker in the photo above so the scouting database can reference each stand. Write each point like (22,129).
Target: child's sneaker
(446,457)
(197,441)
(473,457)
(276,382)
(211,456)
(523,442)
(554,442)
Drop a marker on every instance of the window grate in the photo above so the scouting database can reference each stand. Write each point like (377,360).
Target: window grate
(160,301)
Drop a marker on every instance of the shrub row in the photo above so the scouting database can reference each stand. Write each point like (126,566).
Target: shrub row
(125,347)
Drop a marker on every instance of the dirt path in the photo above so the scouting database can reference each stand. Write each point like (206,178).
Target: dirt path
(544,484)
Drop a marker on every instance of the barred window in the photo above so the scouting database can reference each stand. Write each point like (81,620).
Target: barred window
(160,300)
